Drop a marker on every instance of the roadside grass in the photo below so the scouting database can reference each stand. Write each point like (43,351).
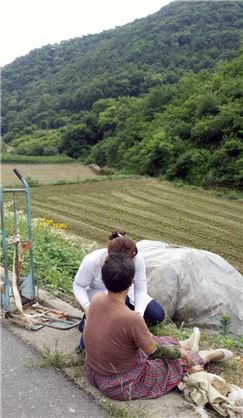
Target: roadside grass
(56,358)
(115,411)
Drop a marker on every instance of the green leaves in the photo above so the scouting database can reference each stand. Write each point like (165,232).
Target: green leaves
(56,259)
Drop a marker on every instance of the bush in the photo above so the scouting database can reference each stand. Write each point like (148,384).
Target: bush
(226,164)
(38,143)
(191,166)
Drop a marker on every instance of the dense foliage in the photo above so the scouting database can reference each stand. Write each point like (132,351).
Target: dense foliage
(197,136)
(149,97)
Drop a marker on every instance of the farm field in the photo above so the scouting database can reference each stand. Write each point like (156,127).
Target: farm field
(146,209)
(45,173)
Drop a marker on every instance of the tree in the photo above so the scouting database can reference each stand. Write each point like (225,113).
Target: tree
(75,141)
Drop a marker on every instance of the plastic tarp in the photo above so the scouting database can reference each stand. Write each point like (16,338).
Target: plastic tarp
(194,286)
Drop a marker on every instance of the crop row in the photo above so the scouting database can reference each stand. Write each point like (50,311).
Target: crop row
(146,209)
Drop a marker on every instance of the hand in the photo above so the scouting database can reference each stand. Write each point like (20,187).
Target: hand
(186,356)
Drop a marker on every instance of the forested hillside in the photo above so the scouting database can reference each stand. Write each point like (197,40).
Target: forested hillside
(159,96)
(192,130)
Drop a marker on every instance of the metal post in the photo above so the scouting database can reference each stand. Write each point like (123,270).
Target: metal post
(5,257)
(25,189)
(27,196)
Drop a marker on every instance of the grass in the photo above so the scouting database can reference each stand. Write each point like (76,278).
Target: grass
(147,209)
(26,159)
(115,411)
(59,360)
(55,358)
(231,370)
(168,328)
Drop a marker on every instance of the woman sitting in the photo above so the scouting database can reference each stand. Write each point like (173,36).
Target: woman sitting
(123,359)
(88,280)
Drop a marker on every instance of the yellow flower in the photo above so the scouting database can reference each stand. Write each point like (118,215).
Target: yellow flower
(59,225)
(45,222)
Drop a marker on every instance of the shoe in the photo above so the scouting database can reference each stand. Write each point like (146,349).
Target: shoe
(79,349)
(227,355)
(194,340)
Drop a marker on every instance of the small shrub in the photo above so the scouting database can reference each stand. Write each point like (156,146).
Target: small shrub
(113,410)
(52,358)
(32,182)
(224,324)
(105,171)
(56,358)
(234,196)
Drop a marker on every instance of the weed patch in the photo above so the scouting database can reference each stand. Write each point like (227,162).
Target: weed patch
(55,358)
(115,411)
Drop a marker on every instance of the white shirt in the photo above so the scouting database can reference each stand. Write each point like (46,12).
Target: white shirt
(88,280)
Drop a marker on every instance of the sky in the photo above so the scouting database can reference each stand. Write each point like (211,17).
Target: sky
(30,24)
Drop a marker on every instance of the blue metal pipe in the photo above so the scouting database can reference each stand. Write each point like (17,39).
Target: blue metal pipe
(25,189)
(27,197)
(6,303)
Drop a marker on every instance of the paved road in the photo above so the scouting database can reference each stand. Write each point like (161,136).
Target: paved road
(32,392)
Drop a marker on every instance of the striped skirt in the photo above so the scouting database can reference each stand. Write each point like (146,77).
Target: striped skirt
(147,379)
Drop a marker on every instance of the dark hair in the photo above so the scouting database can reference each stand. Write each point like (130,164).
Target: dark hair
(119,243)
(118,272)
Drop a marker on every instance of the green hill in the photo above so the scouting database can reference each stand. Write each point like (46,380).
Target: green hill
(122,97)
(191,130)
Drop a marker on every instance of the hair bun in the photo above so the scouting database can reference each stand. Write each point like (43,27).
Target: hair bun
(117,234)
